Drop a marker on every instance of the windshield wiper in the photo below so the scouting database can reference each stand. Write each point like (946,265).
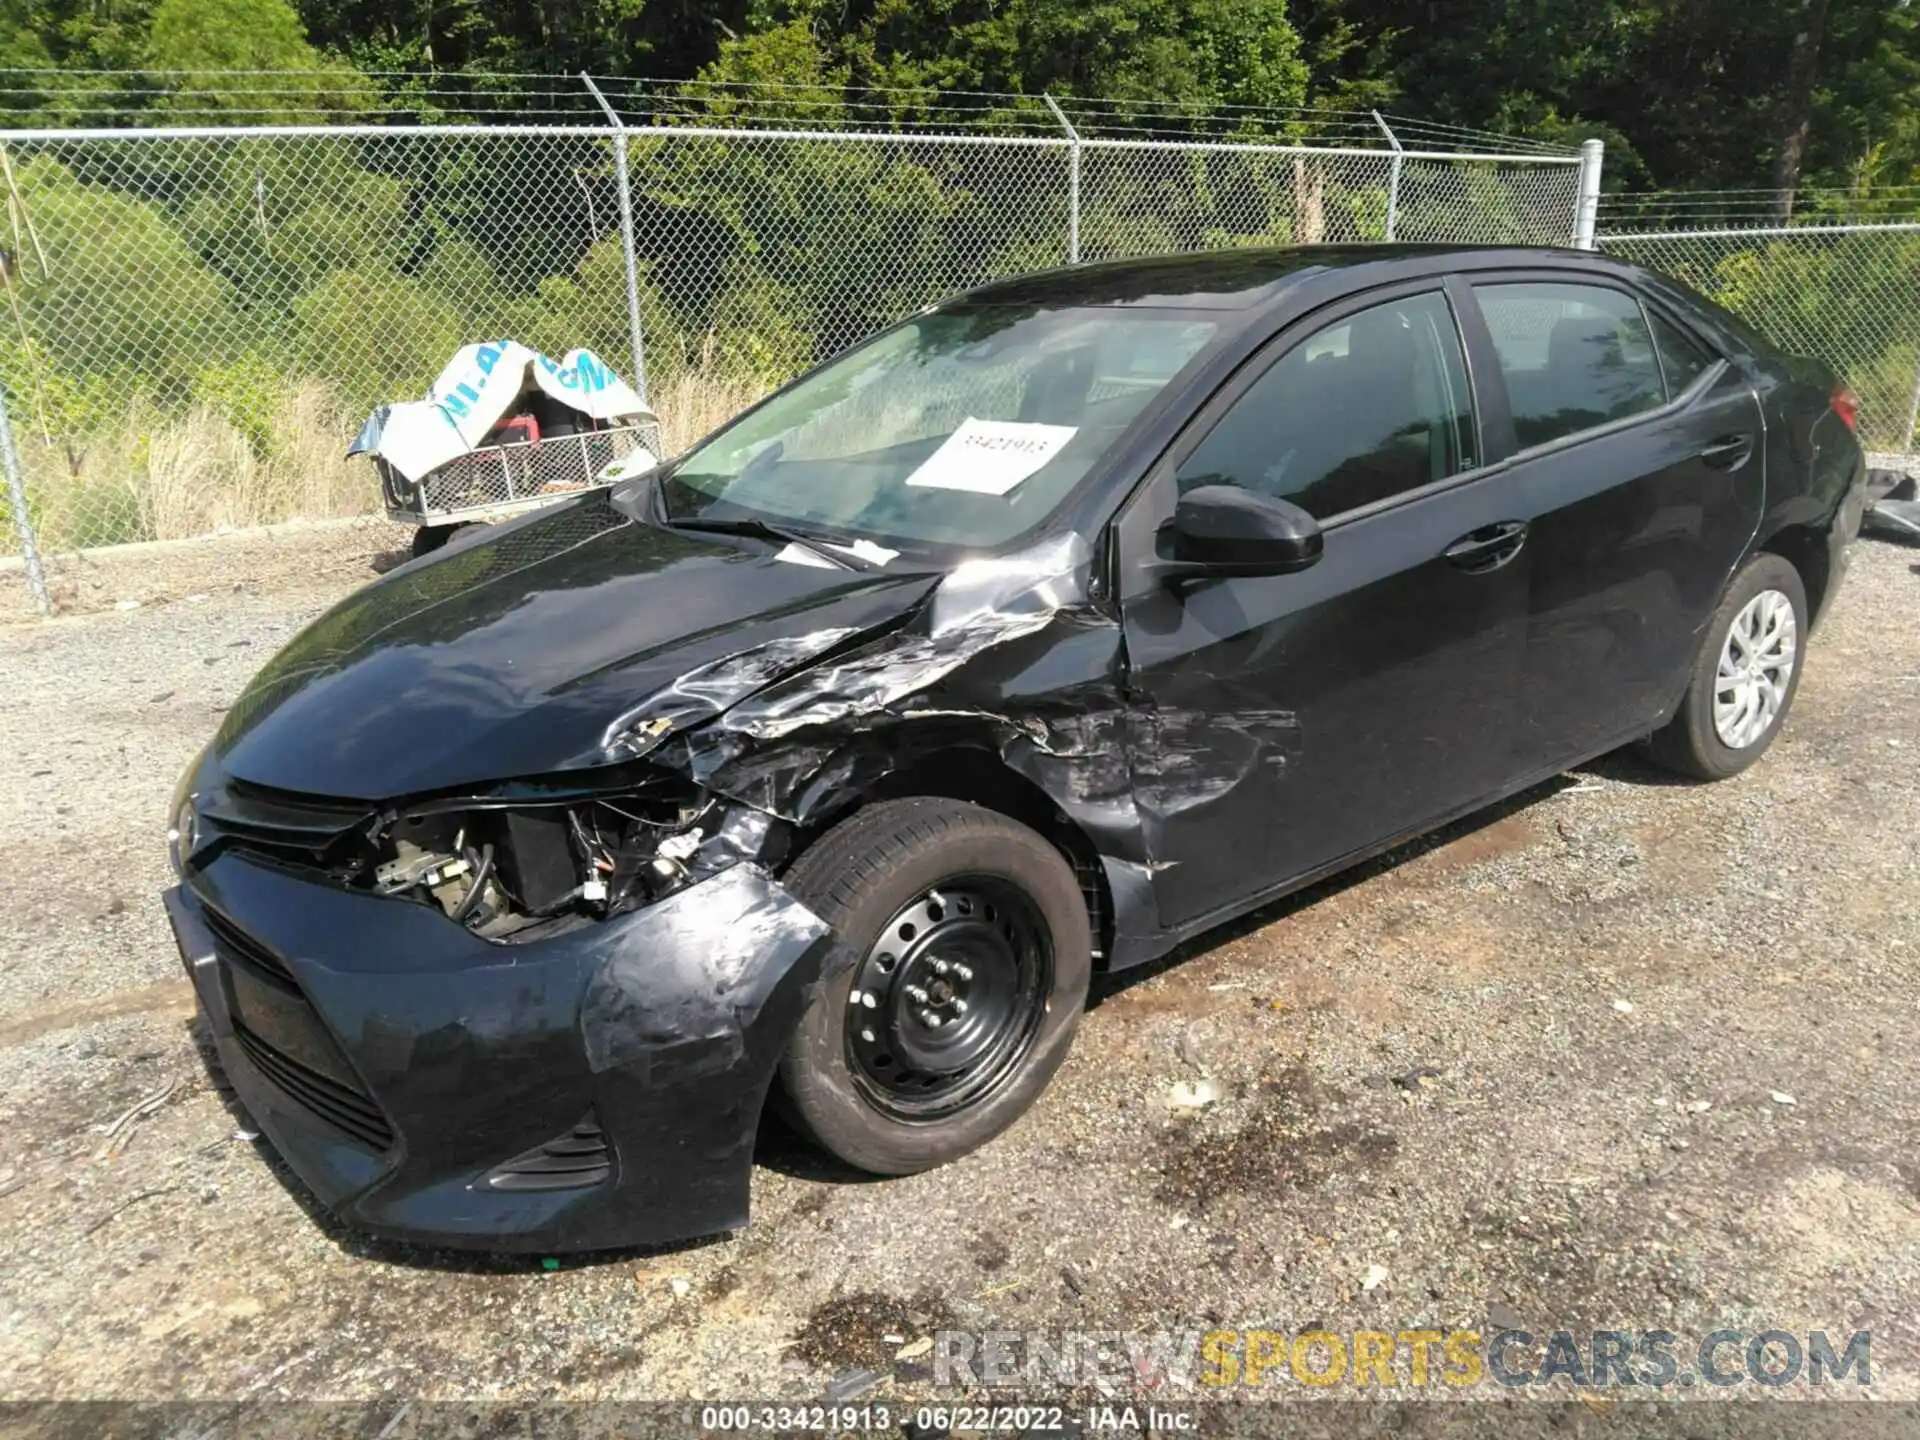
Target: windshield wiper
(768,530)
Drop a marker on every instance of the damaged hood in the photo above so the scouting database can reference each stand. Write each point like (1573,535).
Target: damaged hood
(548,645)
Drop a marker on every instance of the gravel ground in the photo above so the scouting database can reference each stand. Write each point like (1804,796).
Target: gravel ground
(1622,1052)
(292,558)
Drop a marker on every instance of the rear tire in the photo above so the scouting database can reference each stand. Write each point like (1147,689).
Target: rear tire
(955,903)
(1742,687)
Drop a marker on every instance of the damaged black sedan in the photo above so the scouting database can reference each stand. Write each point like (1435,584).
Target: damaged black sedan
(824,764)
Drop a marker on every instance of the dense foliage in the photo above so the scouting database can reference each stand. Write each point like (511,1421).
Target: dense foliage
(1691,93)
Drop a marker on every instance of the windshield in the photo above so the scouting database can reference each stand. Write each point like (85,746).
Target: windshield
(965,427)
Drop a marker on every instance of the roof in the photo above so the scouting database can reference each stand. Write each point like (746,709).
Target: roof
(1231,279)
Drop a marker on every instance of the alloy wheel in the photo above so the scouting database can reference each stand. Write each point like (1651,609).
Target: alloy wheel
(1756,667)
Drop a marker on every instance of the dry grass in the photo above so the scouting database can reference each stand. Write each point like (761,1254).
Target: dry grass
(154,477)
(696,402)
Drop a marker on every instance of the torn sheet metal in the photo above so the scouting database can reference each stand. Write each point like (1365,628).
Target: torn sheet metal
(1081,760)
(1036,583)
(982,605)
(706,690)
(478,388)
(819,714)
(679,990)
(816,691)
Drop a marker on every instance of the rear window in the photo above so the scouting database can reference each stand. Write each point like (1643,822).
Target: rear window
(1682,357)
(1731,332)
(1573,356)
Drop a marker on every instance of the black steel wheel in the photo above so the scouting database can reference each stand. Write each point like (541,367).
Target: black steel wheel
(958,974)
(948,998)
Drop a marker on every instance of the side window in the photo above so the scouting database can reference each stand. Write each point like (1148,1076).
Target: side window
(1370,407)
(1574,356)
(1681,356)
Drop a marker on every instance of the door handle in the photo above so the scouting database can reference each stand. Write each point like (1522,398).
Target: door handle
(1729,452)
(1489,547)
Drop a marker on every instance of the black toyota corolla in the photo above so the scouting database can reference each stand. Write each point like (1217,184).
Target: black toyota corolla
(824,763)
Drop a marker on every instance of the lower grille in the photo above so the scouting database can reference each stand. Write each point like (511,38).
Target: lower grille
(572,1161)
(236,946)
(346,1109)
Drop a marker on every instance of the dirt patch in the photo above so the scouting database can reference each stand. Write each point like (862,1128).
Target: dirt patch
(170,997)
(865,1330)
(1285,1143)
(989,1252)
(288,559)
(1480,844)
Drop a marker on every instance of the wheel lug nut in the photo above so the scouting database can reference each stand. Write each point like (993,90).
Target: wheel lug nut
(961,972)
(959,1007)
(940,967)
(916,994)
(930,1020)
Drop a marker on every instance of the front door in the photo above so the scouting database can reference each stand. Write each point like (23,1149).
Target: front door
(1280,723)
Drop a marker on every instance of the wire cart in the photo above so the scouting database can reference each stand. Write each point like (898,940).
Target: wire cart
(500,480)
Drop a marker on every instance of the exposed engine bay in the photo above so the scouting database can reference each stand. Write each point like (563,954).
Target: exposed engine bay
(510,870)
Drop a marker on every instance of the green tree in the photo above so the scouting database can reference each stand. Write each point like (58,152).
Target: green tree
(249,36)
(1707,93)
(379,337)
(122,293)
(228,35)
(1196,54)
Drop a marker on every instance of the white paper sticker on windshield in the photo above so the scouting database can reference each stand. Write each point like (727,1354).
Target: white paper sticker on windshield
(801,555)
(990,457)
(864,549)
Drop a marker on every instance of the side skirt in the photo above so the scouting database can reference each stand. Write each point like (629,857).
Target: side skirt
(1143,949)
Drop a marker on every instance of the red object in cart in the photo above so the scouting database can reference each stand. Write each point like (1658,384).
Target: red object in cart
(527,425)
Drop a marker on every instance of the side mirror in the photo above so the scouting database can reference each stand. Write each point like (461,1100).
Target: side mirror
(1221,530)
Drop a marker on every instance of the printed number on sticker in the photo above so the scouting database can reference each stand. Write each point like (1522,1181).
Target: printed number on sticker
(990,457)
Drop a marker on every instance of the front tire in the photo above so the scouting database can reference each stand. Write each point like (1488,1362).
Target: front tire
(958,973)
(1744,677)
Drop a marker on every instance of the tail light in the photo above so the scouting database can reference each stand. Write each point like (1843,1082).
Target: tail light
(1846,405)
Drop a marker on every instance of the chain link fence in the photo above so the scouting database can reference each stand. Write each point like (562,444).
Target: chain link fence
(1846,294)
(1144,198)
(199,319)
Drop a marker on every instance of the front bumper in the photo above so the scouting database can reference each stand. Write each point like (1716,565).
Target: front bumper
(407,1069)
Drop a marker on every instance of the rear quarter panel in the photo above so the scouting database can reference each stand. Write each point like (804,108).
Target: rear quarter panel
(1815,465)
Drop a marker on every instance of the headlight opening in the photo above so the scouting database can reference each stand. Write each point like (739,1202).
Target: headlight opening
(522,870)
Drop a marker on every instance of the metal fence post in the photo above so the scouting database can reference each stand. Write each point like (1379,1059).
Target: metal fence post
(626,235)
(1586,209)
(1393,180)
(1073,179)
(23,522)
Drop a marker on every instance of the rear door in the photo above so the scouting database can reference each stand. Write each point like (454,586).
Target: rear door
(1282,722)
(1640,455)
